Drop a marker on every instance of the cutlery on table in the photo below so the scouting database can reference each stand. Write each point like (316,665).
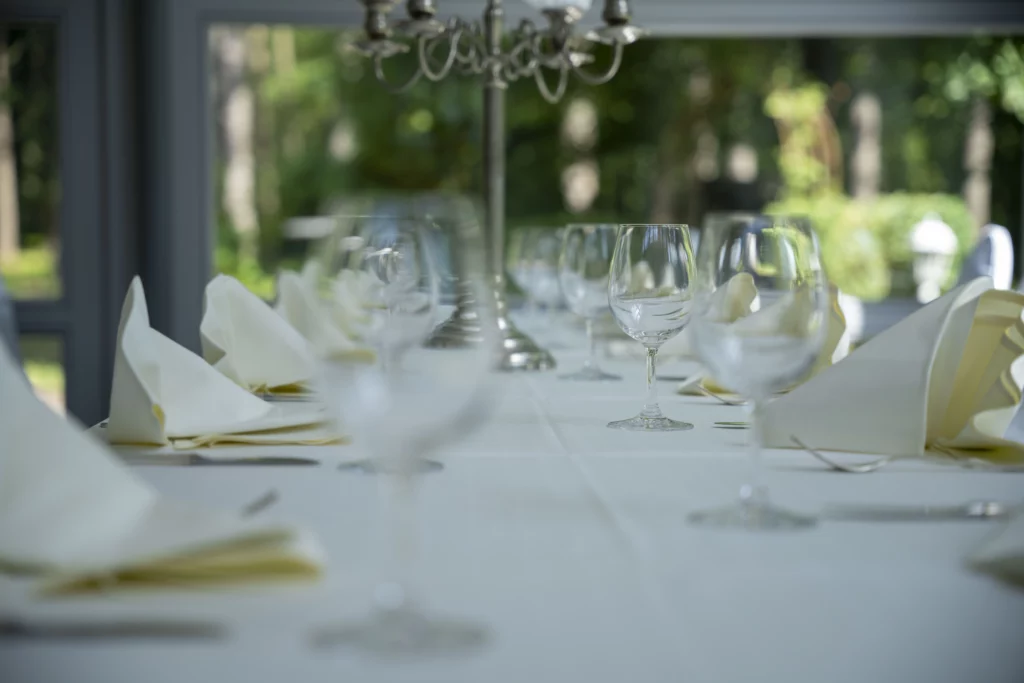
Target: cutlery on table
(260,504)
(973,510)
(966,462)
(727,401)
(195,459)
(732,425)
(14,627)
(853,468)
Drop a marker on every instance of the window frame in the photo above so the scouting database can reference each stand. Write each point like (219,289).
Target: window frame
(80,314)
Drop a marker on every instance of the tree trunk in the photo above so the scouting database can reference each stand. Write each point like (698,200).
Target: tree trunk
(10,224)
(978,153)
(237,120)
(866,164)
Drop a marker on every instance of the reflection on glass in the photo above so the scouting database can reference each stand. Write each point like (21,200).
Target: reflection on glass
(43,359)
(29,162)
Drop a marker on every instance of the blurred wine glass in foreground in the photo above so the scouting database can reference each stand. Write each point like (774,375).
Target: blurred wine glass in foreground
(770,348)
(408,405)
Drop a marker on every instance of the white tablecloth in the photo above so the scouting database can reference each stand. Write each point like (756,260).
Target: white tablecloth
(567,541)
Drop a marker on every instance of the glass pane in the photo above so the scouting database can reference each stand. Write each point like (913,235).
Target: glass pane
(866,135)
(43,359)
(29,161)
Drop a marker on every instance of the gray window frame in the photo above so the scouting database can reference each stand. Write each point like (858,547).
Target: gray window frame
(81,316)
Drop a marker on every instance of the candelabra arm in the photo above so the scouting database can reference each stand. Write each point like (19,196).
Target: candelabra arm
(378,71)
(609,74)
(426,46)
(542,85)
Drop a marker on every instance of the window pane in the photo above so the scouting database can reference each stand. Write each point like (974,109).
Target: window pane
(867,136)
(29,161)
(43,359)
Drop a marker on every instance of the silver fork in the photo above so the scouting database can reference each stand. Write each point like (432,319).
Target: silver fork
(863,468)
(723,399)
(860,468)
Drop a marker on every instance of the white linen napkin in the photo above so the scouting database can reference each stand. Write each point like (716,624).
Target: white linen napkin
(1002,554)
(730,303)
(949,376)
(248,342)
(75,517)
(330,329)
(162,392)
(835,348)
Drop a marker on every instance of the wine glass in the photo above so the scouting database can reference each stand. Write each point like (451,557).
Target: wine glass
(408,405)
(649,290)
(583,273)
(543,247)
(766,351)
(516,265)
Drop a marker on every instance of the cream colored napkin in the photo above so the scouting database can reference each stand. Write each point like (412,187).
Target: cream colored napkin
(948,377)
(75,518)
(326,325)
(730,303)
(835,348)
(162,392)
(247,342)
(1002,554)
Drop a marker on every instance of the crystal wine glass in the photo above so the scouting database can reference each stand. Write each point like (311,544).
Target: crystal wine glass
(583,272)
(770,348)
(409,405)
(544,249)
(649,290)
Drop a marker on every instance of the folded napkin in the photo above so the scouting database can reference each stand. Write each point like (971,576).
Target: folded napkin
(75,518)
(947,377)
(835,348)
(163,393)
(329,326)
(1002,554)
(729,303)
(247,342)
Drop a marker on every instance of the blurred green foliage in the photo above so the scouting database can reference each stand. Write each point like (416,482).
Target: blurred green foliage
(325,130)
(865,244)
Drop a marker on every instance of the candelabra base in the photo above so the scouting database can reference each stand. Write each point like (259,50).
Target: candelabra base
(518,351)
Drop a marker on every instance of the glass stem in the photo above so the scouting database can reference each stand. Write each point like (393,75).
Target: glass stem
(591,361)
(753,491)
(394,592)
(651,408)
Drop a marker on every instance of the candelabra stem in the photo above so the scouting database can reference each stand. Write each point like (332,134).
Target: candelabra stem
(519,352)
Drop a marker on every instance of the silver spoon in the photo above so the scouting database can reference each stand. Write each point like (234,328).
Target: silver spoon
(862,468)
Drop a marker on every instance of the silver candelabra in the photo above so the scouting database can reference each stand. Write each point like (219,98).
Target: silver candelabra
(481,49)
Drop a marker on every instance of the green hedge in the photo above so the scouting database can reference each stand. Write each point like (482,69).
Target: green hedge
(866,244)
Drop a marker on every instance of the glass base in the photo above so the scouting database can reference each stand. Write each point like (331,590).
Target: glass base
(643,423)
(752,515)
(371,466)
(403,631)
(591,373)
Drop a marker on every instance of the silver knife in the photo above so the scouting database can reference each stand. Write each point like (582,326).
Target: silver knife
(12,627)
(973,510)
(195,459)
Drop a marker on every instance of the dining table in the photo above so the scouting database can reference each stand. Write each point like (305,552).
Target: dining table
(567,544)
